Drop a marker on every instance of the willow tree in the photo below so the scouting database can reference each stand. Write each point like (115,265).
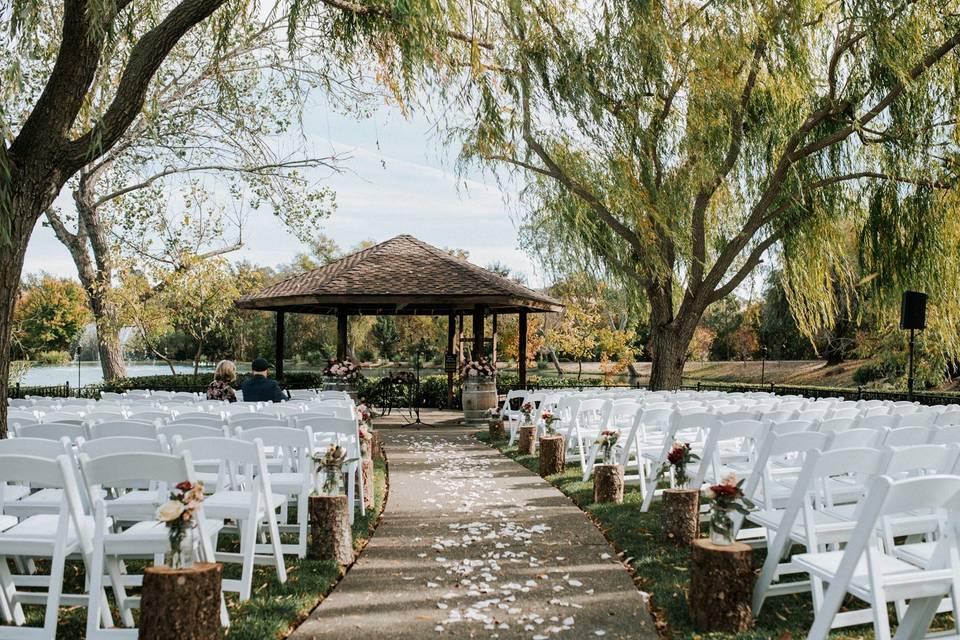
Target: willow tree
(58,116)
(673,144)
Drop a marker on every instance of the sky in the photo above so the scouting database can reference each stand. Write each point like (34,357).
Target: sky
(398,179)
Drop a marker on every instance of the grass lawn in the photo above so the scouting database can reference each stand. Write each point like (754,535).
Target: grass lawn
(273,610)
(661,569)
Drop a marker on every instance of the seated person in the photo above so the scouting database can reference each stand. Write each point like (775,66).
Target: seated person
(224,376)
(259,387)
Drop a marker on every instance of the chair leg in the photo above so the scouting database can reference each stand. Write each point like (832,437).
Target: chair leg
(302,521)
(351,495)
(10,593)
(120,592)
(359,475)
(56,586)
(277,550)
(248,544)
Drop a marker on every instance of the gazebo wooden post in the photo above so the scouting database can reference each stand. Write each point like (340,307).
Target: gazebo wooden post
(493,341)
(522,349)
(451,329)
(341,334)
(279,347)
(478,318)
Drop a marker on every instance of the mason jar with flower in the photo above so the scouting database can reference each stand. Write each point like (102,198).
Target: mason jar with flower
(180,515)
(726,498)
(607,446)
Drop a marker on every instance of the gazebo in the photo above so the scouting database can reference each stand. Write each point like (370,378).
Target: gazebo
(404,276)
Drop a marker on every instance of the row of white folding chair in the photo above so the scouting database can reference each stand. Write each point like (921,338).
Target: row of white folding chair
(821,510)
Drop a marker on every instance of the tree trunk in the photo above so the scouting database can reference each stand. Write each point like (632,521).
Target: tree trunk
(181,604)
(108,338)
(668,354)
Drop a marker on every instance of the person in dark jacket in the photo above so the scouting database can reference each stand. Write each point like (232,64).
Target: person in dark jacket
(259,387)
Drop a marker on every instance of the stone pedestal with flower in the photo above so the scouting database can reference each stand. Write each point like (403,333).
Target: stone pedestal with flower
(553,450)
(680,508)
(330,536)
(608,474)
(341,376)
(181,599)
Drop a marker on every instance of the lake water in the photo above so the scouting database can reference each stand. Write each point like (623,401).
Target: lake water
(90,373)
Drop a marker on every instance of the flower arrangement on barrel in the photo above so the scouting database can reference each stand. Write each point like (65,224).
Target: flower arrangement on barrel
(679,458)
(329,465)
(480,368)
(549,418)
(725,498)
(178,514)
(607,445)
(342,370)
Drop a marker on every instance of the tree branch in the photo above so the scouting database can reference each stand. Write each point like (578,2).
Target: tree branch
(751,262)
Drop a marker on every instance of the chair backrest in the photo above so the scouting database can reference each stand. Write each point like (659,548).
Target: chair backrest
(844,412)
(51,431)
(835,425)
(103,415)
(48,472)
(812,414)
(917,419)
(919,459)
(190,431)
(948,418)
(256,420)
(945,435)
(877,421)
(514,397)
(329,429)
(206,419)
(791,426)
(37,447)
(777,416)
(134,428)
(121,444)
(62,417)
(738,415)
(856,438)
(907,436)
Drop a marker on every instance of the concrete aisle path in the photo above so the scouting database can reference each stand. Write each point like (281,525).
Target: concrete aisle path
(472,545)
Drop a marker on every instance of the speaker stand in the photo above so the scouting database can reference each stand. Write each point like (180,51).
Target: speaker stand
(910,372)
(415,400)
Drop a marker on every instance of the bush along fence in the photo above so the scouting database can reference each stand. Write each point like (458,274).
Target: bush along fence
(433,388)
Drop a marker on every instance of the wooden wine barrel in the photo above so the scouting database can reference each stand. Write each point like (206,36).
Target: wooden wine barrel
(479,395)
(331,383)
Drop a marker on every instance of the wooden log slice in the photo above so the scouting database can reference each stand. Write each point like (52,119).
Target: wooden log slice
(680,516)
(368,483)
(608,483)
(721,587)
(330,537)
(527,441)
(497,432)
(181,604)
(376,446)
(553,455)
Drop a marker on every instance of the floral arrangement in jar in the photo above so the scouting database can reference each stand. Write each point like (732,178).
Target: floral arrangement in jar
(526,410)
(479,368)
(366,439)
(607,444)
(178,514)
(549,418)
(725,498)
(493,417)
(365,414)
(329,465)
(345,370)
(678,459)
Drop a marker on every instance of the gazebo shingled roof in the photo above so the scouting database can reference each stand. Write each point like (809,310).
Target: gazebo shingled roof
(400,276)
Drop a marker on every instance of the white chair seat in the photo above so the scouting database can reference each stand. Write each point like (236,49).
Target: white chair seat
(286,482)
(6,522)
(148,537)
(42,502)
(37,534)
(825,566)
(825,523)
(229,505)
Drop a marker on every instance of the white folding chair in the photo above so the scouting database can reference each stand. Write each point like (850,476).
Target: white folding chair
(329,430)
(248,499)
(51,431)
(129,428)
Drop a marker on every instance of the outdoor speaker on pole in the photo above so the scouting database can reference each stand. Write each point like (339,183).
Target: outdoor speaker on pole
(913,311)
(913,317)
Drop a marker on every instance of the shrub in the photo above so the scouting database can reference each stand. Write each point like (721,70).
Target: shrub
(868,372)
(52,357)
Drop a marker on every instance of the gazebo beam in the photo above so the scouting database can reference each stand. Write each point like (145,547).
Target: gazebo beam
(279,348)
(451,331)
(341,335)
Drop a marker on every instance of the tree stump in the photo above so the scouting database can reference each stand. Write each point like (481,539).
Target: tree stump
(376,446)
(330,537)
(721,587)
(553,455)
(680,515)
(181,604)
(608,483)
(527,440)
(368,482)
(497,432)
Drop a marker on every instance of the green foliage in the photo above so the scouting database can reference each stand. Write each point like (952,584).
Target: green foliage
(385,336)
(867,373)
(52,357)
(49,316)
